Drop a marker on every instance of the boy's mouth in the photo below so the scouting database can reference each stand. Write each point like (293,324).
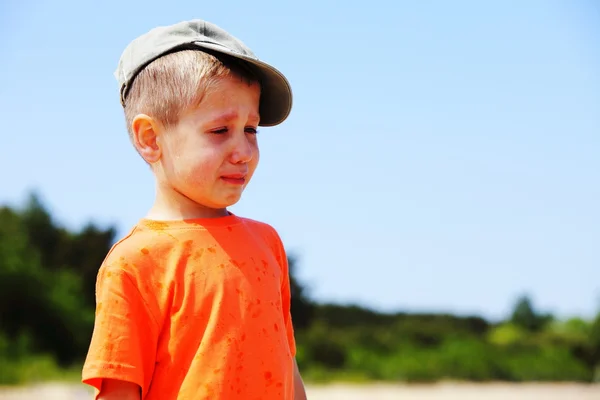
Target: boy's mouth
(234,179)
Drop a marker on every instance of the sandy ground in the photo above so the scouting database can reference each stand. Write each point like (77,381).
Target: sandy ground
(447,391)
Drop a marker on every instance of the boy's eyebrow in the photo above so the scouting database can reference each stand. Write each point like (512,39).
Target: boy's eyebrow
(233,115)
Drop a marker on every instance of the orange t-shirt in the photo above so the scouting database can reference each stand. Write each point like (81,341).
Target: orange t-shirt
(195,309)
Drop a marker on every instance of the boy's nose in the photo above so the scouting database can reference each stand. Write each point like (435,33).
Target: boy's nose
(243,151)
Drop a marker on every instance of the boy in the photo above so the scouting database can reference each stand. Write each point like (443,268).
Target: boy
(194,303)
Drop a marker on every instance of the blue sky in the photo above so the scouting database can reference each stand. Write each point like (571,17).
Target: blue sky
(440,156)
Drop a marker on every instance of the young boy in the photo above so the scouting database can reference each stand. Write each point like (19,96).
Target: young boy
(194,303)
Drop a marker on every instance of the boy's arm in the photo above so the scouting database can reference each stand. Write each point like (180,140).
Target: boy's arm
(299,390)
(113,389)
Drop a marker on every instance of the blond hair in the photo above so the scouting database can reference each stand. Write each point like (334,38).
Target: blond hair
(177,82)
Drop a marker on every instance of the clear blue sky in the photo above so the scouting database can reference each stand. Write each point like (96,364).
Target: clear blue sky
(440,156)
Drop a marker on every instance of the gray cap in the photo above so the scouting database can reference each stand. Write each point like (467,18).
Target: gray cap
(276,93)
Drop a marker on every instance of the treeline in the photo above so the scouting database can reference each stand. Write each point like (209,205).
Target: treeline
(47,279)
(354,343)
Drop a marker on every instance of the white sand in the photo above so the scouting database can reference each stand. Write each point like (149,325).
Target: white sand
(445,391)
(456,391)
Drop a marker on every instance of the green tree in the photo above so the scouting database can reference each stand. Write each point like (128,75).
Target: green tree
(81,252)
(47,277)
(525,316)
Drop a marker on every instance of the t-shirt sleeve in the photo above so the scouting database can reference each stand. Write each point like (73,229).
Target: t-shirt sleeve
(286,300)
(123,344)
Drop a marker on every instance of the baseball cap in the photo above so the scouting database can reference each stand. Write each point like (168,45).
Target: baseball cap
(276,92)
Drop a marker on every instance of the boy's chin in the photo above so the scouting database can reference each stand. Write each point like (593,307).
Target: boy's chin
(226,202)
(231,202)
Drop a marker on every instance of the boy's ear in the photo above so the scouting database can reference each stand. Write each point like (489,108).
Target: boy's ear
(145,134)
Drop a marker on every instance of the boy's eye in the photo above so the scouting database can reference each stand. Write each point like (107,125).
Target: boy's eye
(222,131)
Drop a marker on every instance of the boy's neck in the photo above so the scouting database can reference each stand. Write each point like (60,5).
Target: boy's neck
(171,205)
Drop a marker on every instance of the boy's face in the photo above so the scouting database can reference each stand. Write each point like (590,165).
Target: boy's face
(211,154)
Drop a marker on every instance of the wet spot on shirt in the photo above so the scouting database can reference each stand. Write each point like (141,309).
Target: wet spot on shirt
(145,251)
(243,337)
(269,377)
(198,254)
(229,228)
(212,250)
(276,327)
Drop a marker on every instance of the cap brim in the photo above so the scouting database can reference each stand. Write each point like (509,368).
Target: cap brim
(276,92)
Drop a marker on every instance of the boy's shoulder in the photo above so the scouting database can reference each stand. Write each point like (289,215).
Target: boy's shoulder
(130,250)
(271,237)
(259,225)
(267,231)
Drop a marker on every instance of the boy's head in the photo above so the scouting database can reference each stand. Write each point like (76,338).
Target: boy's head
(193,97)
